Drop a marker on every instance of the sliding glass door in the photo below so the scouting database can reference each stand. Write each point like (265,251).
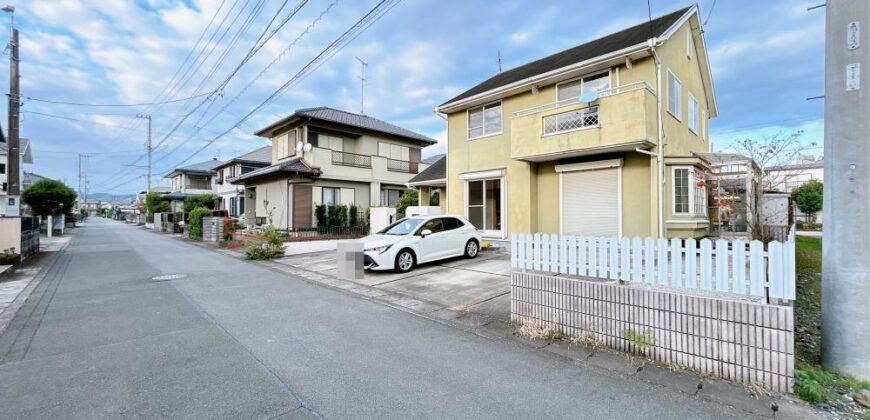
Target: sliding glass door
(484,205)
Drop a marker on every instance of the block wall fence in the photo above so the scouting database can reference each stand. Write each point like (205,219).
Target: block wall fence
(745,342)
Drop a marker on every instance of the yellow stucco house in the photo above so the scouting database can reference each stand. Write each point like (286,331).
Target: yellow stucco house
(600,139)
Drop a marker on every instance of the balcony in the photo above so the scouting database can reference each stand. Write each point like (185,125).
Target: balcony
(622,119)
(351,159)
(404,166)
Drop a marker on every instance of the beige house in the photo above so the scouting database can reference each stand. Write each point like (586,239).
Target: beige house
(232,196)
(328,156)
(195,179)
(600,139)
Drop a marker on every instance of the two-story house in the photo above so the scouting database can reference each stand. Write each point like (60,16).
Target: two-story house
(328,156)
(232,196)
(26,158)
(198,178)
(600,139)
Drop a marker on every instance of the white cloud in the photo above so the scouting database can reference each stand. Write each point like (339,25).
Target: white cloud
(519,37)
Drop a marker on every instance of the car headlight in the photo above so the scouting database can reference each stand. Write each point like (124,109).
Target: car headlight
(379,249)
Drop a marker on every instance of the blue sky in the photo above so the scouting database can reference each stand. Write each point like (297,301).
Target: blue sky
(767,58)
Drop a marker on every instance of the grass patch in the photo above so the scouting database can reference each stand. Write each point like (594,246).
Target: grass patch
(643,340)
(818,385)
(539,332)
(808,304)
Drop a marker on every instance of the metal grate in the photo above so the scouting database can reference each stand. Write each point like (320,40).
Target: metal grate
(571,120)
(395,165)
(351,159)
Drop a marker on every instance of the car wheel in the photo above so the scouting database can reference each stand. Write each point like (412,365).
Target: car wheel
(472,248)
(405,261)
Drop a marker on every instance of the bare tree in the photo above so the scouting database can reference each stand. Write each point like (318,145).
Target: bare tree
(776,150)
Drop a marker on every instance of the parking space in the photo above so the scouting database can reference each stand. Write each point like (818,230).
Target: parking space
(478,285)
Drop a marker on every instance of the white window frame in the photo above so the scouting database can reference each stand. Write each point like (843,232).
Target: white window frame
(336,195)
(703,123)
(483,110)
(488,176)
(689,43)
(692,180)
(694,114)
(679,98)
(609,81)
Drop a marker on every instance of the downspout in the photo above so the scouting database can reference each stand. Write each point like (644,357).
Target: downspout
(660,155)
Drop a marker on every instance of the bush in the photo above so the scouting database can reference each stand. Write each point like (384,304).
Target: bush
(229,228)
(809,197)
(435,199)
(353,216)
(155,204)
(194,221)
(320,215)
(409,198)
(268,244)
(200,200)
(49,197)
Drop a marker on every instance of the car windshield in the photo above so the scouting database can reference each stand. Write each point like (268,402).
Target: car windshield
(401,227)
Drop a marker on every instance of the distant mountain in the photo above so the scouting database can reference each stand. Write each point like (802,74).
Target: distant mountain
(111,198)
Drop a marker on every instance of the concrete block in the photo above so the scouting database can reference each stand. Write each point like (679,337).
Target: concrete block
(349,258)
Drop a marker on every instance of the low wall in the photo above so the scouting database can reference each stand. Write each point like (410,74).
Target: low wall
(10,234)
(213,229)
(158,222)
(742,341)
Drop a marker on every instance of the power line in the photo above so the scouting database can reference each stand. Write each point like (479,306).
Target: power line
(349,35)
(710,13)
(52,101)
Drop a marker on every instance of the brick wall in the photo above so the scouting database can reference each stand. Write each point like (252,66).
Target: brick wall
(742,341)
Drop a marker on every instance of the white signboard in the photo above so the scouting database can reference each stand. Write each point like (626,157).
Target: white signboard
(853,36)
(853,76)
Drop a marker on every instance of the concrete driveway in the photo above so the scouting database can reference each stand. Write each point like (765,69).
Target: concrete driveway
(480,285)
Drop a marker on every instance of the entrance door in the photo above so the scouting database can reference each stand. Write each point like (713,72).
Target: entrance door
(590,202)
(484,208)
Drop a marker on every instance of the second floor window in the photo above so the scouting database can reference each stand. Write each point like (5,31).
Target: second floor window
(675,95)
(693,114)
(394,151)
(572,90)
(2,168)
(484,120)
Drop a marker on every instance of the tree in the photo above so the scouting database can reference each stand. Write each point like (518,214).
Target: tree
(409,198)
(155,204)
(195,221)
(199,200)
(49,197)
(435,198)
(776,150)
(809,197)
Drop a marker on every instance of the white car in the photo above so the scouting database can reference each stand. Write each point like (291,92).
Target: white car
(419,239)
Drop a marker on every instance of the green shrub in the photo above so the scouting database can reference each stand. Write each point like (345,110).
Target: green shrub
(49,197)
(155,204)
(268,244)
(435,199)
(341,216)
(409,198)
(320,215)
(194,220)
(200,200)
(353,216)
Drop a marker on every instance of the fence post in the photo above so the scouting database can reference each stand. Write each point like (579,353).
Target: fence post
(722,265)
(691,263)
(774,270)
(529,264)
(756,268)
(636,260)
(706,264)
(738,250)
(676,263)
(662,261)
(545,252)
(649,264)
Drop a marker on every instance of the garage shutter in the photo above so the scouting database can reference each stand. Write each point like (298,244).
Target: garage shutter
(590,202)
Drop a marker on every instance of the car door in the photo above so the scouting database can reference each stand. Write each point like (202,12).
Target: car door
(454,236)
(433,246)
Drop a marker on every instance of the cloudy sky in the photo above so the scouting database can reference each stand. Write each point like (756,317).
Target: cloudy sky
(767,58)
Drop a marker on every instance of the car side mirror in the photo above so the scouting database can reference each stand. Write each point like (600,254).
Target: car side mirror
(425,232)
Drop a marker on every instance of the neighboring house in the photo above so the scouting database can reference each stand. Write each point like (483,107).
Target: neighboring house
(786,178)
(434,158)
(29,179)
(432,182)
(198,178)
(26,158)
(569,143)
(735,193)
(328,156)
(232,196)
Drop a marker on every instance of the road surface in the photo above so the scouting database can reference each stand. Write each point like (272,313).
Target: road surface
(100,338)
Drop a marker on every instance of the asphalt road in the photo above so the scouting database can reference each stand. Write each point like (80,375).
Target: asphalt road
(99,338)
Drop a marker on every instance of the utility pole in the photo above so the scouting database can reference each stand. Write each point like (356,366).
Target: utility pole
(84,197)
(14,165)
(846,239)
(499,61)
(362,87)
(148,149)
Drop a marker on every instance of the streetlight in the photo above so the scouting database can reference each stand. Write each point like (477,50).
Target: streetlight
(11,10)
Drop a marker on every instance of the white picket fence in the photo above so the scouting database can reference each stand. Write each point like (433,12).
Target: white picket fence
(736,267)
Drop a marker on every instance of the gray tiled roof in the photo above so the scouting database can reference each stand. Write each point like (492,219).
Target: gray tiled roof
(806,165)
(206,167)
(337,116)
(262,156)
(614,42)
(290,167)
(437,171)
(23,144)
(432,159)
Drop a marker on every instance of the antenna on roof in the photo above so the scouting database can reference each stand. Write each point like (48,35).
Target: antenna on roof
(649,13)
(362,85)
(499,61)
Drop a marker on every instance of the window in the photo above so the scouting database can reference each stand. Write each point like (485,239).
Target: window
(330,142)
(394,151)
(331,196)
(693,114)
(703,124)
(2,168)
(690,192)
(233,209)
(390,197)
(434,225)
(451,223)
(401,227)
(572,90)
(246,169)
(484,204)
(675,94)
(242,206)
(484,121)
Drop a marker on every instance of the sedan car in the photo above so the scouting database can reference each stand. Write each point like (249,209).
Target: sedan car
(419,239)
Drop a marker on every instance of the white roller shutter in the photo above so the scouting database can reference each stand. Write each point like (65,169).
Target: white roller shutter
(590,202)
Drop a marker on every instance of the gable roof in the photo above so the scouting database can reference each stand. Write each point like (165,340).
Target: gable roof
(433,174)
(295,166)
(204,168)
(434,158)
(633,43)
(805,165)
(337,116)
(23,149)
(258,157)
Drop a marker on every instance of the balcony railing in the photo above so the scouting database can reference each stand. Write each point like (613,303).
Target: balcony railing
(405,166)
(571,101)
(571,120)
(351,159)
